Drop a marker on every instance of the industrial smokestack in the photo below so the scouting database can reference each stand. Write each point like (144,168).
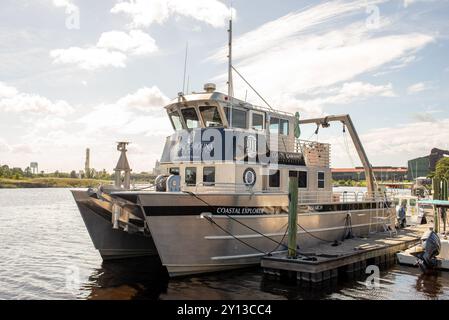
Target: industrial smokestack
(87,164)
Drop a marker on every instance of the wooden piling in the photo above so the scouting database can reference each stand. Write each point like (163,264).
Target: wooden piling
(292,213)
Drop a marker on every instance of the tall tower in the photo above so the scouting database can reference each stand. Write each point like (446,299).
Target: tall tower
(87,164)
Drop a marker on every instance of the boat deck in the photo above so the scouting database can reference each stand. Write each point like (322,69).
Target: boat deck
(351,256)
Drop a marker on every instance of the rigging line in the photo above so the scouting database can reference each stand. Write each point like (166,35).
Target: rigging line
(265,253)
(282,240)
(346,145)
(314,236)
(232,218)
(185,68)
(229,233)
(243,224)
(252,88)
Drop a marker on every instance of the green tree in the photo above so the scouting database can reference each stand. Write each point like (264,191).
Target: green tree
(73,174)
(5,171)
(442,169)
(27,172)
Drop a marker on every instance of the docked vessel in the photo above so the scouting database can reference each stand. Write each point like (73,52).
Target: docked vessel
(222,199)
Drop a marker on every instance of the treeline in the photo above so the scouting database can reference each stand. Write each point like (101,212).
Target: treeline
(7,172)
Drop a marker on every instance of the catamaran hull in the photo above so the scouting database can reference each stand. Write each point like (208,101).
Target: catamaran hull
(190,243)
(111,243)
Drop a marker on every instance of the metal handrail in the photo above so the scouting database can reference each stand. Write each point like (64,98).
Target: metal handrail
(224,186)
(311,197)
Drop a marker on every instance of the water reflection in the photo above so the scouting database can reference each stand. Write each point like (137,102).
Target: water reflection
(140,278)
(147,279)
(430,284)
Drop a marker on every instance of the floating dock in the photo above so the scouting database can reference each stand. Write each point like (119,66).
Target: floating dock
(351,257)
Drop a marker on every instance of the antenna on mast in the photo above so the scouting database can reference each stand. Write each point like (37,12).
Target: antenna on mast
(230,84)
(230,87)
(185,68)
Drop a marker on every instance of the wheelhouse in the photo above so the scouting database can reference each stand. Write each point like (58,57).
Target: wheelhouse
(198,112)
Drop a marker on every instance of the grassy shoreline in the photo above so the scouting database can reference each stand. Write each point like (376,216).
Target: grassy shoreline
(50,183)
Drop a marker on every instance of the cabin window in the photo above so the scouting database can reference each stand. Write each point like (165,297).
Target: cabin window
(190,177)
(320,180)
(274,125)
(191,118)
(274,180)
(209,176)
(284,127)
(257,123)
(302,179)
(211,116)
(174,171)
(238,118)
(175,120)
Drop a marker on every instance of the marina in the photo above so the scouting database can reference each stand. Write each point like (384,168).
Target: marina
(299,153)
(31,269)
(351,256)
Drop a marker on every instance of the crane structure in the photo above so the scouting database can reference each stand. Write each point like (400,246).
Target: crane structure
(346,120)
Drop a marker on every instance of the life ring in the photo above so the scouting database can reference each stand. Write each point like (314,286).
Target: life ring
(249,177)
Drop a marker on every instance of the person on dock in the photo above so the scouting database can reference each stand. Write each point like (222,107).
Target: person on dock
(402,223)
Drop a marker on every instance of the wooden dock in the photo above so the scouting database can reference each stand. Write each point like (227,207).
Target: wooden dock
(352,256)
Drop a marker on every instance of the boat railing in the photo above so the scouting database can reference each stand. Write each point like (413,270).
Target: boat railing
(224,187)
(316,197)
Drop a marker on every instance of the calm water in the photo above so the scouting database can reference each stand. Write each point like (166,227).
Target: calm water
(46,253)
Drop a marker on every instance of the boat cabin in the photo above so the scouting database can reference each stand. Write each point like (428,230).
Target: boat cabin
(223,143)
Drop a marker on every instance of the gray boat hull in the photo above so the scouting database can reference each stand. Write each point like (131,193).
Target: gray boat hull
(196,243)
(111,243)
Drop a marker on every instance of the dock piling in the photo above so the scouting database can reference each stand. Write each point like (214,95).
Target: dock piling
(292,213)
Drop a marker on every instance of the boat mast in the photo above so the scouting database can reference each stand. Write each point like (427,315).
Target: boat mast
(230,88)
(230,84)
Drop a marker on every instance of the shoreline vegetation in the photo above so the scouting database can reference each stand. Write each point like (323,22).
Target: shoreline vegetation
(6,183)
(13,178)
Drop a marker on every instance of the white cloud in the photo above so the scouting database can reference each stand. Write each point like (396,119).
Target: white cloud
(408,3)
(392,146)
(138,113)
(293,25)
(7,91)
(315,54)
(136,42)
(111,50)
(11,100)
(68,5)
(16,148)
(387,143)
(4,147)
(146,12)
(351,91)
(145,99)
(418,87)
(89,58)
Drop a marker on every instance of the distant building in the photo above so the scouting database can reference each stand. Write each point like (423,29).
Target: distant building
(422,166)
(34,166)
(381,173)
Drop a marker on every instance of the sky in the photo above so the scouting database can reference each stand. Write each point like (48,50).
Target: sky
(78,73)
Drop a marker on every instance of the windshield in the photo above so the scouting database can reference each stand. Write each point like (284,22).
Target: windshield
(176,120)
(191,118)
(211,116)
